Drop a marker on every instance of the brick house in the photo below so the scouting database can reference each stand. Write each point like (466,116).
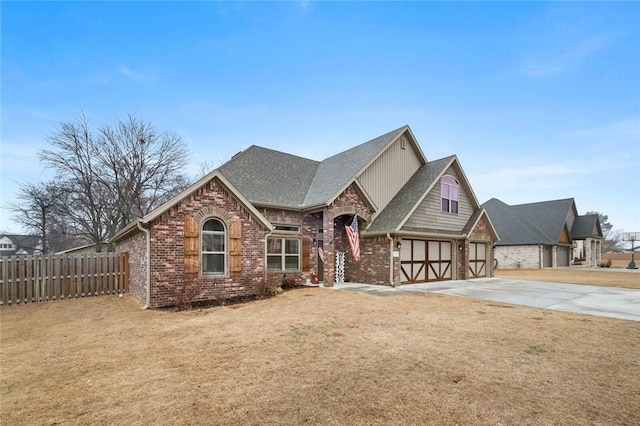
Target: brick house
(266,211)
(546,234)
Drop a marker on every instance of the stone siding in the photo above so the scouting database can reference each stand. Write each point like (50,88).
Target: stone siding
(514,257)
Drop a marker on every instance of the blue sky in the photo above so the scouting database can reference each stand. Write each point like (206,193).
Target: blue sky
(538,100)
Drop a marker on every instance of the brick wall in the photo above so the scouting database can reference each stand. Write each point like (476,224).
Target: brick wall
(136,246)
(167,250)
(373,267)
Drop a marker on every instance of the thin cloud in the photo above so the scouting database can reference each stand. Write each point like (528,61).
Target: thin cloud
(571,57)
(138,76)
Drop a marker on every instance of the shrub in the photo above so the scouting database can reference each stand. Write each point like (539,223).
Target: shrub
(270,286)
(289,282)
(185,292)
(605,263)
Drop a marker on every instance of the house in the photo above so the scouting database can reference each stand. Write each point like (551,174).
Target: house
(13,244)
(544,234)
(266,212)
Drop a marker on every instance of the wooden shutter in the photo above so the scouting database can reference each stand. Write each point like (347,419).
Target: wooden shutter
(191,250)
(306,255)
(235,246)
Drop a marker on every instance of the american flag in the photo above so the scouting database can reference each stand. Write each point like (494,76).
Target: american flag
(354,240)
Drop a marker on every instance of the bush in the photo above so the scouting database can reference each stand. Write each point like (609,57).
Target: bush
(606,263)
(289,282)
(185,292)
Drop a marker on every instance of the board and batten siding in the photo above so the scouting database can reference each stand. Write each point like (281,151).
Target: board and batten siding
(429,213)
(390,172)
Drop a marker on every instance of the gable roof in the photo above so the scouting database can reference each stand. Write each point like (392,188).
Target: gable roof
(586,226)
(132,227)
(25,243)
(335,173)
(392,217)
(260,176)
(272,178)
(531,223)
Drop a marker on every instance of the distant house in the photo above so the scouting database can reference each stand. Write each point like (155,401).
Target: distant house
(266,211)
(13,244)
(544,234)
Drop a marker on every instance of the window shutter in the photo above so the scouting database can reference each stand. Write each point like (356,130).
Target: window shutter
(191,252)
(235,246)
(306,255)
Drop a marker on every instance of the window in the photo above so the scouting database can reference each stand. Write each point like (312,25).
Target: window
(213,247)
(449,193)
(287,228)
(283,254)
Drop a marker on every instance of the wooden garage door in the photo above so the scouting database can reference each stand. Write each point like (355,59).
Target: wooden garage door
(478,259)
(422,261)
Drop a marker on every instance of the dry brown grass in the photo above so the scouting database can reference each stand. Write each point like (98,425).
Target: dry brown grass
(595,276)
(316,356)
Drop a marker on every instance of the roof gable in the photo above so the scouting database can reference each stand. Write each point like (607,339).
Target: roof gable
(586,226)
(335,173)
(392,217)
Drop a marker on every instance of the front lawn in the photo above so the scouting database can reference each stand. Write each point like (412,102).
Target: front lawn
(316,356)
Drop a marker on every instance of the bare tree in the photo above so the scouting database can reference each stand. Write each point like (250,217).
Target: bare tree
(141,166)
(113,174)
(39,204)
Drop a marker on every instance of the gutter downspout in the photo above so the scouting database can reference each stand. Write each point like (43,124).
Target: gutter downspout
(390,260)
(266,270)
(148,265)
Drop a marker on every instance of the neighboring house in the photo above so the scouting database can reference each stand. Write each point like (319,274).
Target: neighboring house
(268,211)
(544,234)
(11,244)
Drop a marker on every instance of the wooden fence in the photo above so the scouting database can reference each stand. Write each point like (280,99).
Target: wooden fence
(42,278)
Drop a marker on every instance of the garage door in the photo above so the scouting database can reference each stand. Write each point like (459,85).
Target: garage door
(478,259)
(422,261)
(562,256)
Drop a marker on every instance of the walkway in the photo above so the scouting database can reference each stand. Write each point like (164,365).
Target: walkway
(611,302)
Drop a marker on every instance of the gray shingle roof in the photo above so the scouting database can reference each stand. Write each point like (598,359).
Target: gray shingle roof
(265,176)
(268,177)
(336,172)
(532,223)
(412,192)
(586,226)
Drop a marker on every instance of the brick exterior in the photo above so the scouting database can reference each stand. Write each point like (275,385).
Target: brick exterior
(336,217)
(213,200)
(136,246)
(167,250)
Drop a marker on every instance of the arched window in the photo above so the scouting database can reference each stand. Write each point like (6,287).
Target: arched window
(213,247)
(449,193)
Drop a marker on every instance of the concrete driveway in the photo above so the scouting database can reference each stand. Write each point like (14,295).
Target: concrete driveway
(585,299)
